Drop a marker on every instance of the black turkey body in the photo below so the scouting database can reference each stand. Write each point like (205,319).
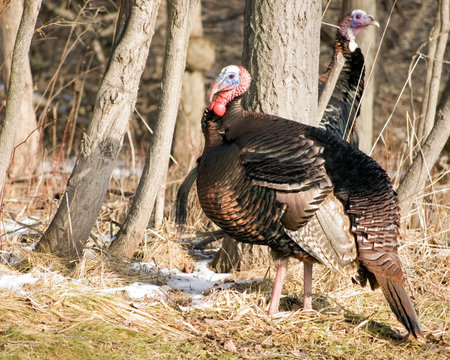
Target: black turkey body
(262,177)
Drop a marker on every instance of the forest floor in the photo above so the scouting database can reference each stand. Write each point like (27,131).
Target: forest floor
(166,304)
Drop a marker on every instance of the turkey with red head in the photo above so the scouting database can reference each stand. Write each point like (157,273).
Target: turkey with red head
(262,177)
(342,109)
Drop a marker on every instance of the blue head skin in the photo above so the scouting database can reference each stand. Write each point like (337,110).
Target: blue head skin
(233,81)
(353,23)
(228,79)
(360,20)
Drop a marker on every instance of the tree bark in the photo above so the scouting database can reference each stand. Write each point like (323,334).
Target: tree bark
(413,183)
(88,183)
(17,86)
(188,139)
(157,159)
(367,43)
(432,132)
(281,51)
(26,141)
(436,52)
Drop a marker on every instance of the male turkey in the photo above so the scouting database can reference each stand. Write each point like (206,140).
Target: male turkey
(343,107)
(262,178)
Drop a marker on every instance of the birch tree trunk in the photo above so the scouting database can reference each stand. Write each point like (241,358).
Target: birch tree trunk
(26,154)
(17,87)
(157,160)
(367,43)
(88,183)
(281,51)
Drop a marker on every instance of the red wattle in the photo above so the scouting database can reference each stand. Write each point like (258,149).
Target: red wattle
(219,109)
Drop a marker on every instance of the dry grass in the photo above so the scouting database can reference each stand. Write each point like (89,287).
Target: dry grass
(66,315)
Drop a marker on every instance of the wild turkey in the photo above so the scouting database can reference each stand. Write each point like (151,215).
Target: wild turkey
(341,112)
(343,107)
(262,177)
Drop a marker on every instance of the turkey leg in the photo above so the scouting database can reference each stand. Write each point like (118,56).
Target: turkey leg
(277,286)
(307,285)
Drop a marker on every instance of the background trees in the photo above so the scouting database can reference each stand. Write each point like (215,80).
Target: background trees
(273,50)
(71,46)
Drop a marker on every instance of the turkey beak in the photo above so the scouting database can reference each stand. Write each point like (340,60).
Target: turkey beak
(372,21)
(217,87)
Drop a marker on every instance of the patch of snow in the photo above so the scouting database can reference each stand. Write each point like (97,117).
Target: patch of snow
(201,280)
(138,290)
(15,282)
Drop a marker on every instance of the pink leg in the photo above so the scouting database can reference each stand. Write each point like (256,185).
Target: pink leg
(307,285)
(277,286)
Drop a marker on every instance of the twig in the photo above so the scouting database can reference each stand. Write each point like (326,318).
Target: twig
(205,242)
(203,234)
(330,84)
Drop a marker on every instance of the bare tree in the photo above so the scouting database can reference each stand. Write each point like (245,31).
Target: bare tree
(17,86)
(129,237)
(26,140)
(367,42)
(88,183)
(281,50)
(418,173)
(432,131)
(200,57)
(188,139)
(436,51)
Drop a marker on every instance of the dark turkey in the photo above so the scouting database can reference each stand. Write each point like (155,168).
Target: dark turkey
(262,178)
(343,107)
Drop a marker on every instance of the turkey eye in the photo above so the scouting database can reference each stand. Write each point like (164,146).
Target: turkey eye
(231,76)
(358,16)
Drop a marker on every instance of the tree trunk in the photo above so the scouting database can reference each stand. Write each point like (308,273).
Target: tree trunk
(88,183)
(436,51)
(432,131)
(413,183)
(158,153)
(26,154)
(367,43)
(188,139)
(281,51)
(17,89)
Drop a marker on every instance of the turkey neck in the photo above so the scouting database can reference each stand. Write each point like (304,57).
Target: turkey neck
(354,65)
(216,129)
(233,122)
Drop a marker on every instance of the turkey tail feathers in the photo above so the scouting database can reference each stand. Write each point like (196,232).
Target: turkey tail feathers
(182,196)
(401,305)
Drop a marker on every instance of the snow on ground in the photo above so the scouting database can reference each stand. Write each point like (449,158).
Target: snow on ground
(15,282)
(201,280)
(195,284)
